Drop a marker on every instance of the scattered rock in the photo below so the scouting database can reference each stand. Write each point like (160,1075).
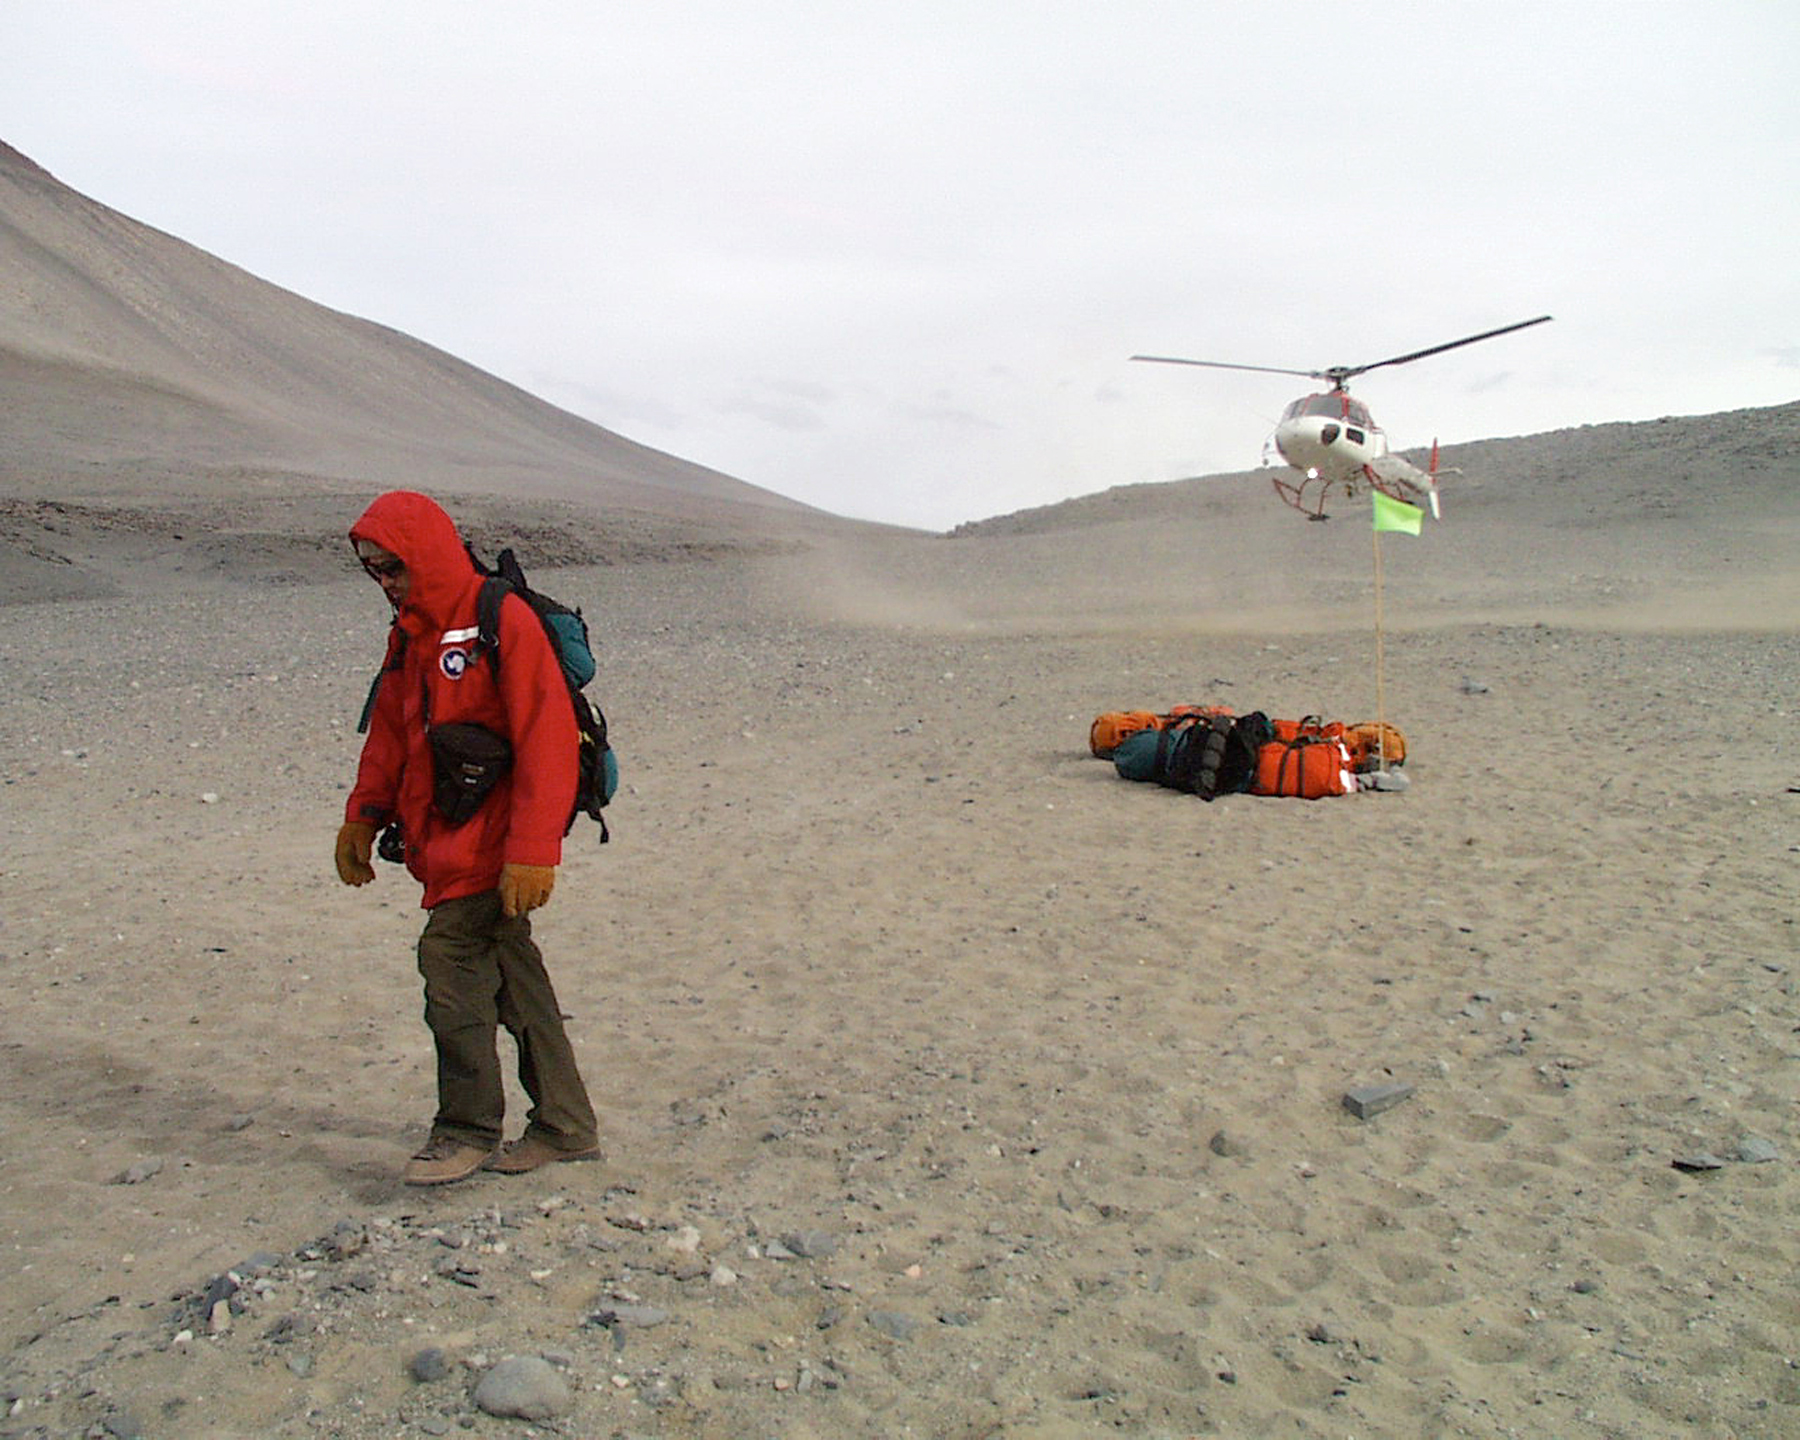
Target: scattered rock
(1754,1150)
(894,1324)
(283,1330)
(1698,1161)
(428,1365)
(525,1388)
(346,1239)
(1367,1100)
(811,1244)
(463,1272)
(137,1174)
(218,1290)
(629,1317)
(259,1263)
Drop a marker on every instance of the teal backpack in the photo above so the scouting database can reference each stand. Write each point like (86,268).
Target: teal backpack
(597,773)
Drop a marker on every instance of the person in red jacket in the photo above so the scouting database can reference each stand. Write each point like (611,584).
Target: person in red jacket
(485,874)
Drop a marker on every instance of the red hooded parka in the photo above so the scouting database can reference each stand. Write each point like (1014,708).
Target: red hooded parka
(429,679)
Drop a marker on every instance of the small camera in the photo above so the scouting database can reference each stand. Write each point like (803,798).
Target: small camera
(392,845)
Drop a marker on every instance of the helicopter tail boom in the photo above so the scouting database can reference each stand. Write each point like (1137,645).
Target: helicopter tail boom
(1401,479)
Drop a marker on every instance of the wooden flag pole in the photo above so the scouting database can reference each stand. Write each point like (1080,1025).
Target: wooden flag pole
(1380,664)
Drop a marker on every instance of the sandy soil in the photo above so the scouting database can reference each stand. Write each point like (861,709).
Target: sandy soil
(952,1086)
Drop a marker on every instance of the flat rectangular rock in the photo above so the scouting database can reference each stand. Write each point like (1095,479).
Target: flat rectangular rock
(1367,1100)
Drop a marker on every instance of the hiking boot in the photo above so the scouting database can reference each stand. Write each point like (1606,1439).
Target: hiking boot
(529,1151)
(444,1160)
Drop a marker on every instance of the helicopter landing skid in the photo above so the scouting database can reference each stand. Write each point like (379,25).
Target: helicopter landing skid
(1295,495)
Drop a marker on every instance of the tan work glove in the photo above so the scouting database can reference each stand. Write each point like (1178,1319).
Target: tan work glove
(354,841)
(525,887)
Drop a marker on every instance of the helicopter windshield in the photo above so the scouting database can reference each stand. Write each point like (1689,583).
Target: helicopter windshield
(1333,405)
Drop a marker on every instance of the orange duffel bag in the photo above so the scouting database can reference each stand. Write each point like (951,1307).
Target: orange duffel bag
(1305,767)
(1370,743)
(1313,727)
(1114,726)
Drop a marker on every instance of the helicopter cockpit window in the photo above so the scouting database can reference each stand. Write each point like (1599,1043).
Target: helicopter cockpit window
(1333,405)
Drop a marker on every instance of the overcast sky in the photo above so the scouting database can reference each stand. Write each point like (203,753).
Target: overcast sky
(891,259)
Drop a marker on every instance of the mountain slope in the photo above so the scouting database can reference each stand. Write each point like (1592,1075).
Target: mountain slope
(131,359)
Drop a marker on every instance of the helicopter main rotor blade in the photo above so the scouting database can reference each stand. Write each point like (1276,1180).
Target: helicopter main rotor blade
(1223,365)
(1346,372)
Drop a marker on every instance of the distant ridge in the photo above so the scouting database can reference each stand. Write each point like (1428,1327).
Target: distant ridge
(1736,461)
(138,367)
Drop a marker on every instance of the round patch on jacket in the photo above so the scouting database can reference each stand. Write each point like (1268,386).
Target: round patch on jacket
(453,662)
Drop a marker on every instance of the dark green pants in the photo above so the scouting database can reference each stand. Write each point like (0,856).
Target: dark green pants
(482,971)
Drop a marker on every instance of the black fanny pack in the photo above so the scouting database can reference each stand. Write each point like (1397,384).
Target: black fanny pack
(467,763)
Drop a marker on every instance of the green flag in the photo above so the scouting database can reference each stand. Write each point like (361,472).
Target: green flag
(1392,514)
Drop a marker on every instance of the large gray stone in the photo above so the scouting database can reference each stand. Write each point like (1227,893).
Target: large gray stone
(525,1388)
(1367,1100)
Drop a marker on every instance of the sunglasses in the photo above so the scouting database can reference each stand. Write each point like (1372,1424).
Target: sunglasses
(390,569)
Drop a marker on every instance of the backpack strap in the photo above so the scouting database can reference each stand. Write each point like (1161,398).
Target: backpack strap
(392,663)
(506,566)
(1164,739)
(494,591)
(1292,750)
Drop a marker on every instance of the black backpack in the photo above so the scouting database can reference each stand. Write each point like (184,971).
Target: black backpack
(597,771)
(1208,755)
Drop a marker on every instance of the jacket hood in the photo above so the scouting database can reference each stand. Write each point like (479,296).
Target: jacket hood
(419,531)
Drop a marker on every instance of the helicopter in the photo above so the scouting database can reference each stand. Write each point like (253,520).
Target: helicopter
(1334,442)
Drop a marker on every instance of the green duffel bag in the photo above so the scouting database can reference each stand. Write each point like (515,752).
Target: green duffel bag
(1134,757)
